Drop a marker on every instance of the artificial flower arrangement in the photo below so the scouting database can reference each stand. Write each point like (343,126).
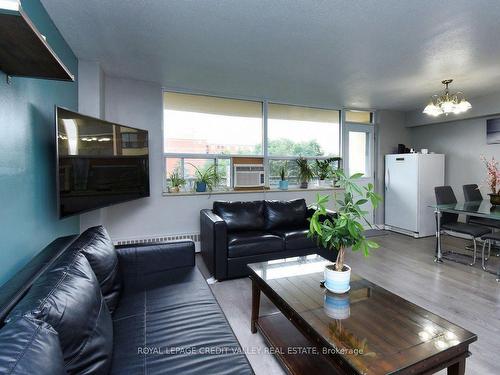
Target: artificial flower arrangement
(492,179)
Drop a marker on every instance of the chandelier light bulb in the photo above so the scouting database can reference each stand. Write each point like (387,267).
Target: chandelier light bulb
(447,102)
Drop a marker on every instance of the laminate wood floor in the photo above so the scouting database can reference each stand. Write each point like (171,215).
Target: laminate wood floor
(464,295)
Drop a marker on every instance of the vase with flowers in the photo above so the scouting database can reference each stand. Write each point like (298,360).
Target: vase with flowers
(492,179)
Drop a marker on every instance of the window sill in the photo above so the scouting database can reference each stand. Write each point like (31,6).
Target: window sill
(260,191)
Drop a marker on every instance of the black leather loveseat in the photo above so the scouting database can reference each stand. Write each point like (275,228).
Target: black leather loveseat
(82,307)
(234,234)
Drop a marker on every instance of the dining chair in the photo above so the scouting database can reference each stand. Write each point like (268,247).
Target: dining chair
(449,221)
(473,194)
(488,238)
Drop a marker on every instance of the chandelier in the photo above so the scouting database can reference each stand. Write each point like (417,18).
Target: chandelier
(447,102)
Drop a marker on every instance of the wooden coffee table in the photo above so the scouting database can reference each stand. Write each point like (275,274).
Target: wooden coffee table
(368,330)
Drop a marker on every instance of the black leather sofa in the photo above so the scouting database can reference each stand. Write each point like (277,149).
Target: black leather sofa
(234,234)
(82,307)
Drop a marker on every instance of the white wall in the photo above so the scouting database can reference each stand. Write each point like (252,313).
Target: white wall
(391,132)
(139,104)
(463,142)
(462,138)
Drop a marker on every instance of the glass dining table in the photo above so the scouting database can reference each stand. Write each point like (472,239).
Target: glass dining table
(482,209)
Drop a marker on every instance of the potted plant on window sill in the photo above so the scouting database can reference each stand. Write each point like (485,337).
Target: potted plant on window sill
(176,182)
(345,230)
(283,183)
(324,171)
(306,173)
(493,180)
(206,179)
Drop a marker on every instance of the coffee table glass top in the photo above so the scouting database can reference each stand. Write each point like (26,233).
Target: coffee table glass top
(375,330)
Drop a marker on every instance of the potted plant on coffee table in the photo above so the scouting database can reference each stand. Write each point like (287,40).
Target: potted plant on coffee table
(306,173)
(344,230)
(283,183)
(206,178)
(176,181)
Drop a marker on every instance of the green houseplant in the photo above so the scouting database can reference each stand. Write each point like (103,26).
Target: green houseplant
(206,178)
(324,169)
(176,181)
(283,184)
(345,230)
(306,173)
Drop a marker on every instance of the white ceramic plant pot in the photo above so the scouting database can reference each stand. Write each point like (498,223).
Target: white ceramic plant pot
(337,306)
(337,281)
(325,183)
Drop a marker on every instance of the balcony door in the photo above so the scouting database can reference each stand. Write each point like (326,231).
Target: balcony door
(358,140)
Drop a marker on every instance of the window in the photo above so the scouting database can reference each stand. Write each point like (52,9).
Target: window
(208,125)
(295,131)
(201,131)
(358,153)
(361,117)
(302,131)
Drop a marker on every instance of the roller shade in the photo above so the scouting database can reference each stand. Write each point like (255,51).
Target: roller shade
(295,113)
(212,105)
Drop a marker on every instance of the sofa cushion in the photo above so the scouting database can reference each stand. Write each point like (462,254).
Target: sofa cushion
(175,327)
(29,346)
(296,239)
(68,297)
(285,214)
(241,216)
(99,250)
(253,243)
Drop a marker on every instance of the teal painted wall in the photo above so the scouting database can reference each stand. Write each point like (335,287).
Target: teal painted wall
(28,214)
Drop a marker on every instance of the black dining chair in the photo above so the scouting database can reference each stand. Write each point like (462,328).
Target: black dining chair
(449,221)
(488,238)
(472,194)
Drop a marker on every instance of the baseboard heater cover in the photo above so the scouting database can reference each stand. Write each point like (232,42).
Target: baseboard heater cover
(195,237)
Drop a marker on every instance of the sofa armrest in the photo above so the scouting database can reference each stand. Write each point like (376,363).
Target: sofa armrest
(142,260)
(213,241)
(330,214)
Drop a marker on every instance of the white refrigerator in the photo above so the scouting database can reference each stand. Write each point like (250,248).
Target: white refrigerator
(409,190)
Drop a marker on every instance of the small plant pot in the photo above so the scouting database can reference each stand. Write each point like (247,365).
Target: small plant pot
(174,189)
(337,306)
(201,187)
(325,183)
(304,185)
(283,185)
(338,281)
(494,199)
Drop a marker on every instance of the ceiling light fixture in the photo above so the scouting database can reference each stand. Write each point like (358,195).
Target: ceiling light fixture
(447,102)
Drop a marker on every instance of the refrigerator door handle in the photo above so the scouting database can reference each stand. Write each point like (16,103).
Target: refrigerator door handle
(387,179)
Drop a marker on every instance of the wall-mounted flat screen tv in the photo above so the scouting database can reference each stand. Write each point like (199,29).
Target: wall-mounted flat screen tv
(99,163)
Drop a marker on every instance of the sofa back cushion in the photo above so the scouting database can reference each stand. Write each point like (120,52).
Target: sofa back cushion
(286,214)
(241,216)
(68,297)
(97,246)
(29,346)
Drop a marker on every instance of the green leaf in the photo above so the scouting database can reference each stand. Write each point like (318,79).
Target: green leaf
(361,201)
(356,175)
(372,244)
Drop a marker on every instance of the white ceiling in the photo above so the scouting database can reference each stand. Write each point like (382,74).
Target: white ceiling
(385,54)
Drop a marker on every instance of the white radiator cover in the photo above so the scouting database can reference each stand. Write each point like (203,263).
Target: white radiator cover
(195,237)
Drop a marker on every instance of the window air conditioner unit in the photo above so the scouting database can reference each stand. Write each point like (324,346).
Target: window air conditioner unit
(248,175)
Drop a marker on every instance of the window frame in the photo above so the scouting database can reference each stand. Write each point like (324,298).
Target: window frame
(265,152)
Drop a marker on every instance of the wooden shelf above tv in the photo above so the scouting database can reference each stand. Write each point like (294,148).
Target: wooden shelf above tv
(24,51)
